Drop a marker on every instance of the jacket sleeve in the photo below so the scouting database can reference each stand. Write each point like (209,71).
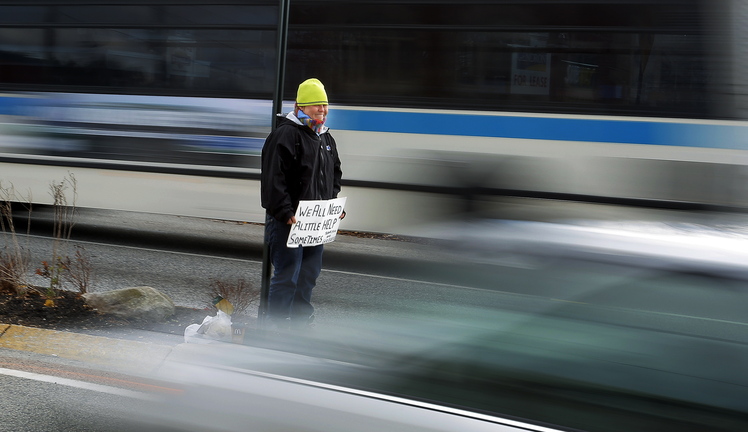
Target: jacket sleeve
(278,165)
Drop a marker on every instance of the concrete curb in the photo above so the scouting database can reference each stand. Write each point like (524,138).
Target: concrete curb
(126,355)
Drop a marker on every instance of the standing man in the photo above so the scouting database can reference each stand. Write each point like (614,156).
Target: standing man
(299,162)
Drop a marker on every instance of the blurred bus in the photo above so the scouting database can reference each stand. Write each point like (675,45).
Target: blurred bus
(444,107)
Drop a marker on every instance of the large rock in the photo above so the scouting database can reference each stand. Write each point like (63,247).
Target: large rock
(138,303)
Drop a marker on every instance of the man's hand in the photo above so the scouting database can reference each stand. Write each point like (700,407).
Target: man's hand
(291,221)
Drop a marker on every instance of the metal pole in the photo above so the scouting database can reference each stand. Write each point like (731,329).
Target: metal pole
(280,77)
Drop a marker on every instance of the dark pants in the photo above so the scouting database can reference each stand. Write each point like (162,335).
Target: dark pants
(295,272)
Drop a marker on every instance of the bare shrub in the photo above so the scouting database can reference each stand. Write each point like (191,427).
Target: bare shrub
(241,294)
(13,269)
(78,270)
(64,212)
(61,269)
(53,272)
(57,270)
(14,259)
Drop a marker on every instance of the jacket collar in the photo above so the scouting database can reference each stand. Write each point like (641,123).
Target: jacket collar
(291,116)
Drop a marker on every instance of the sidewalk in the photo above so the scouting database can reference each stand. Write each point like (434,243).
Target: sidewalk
(124,355)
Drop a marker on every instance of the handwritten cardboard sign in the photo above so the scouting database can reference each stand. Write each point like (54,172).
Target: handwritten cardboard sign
(317,222)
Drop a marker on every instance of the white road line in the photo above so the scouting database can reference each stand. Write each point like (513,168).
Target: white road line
(75,383)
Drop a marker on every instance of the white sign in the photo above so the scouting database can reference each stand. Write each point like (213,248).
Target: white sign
(531,73)
(316,222)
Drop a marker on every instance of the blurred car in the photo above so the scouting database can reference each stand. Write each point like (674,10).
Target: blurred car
(562,327)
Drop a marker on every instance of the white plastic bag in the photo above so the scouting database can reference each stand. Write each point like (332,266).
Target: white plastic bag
(191,335)
(213,328)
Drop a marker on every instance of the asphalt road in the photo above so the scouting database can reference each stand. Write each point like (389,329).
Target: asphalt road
(46,393)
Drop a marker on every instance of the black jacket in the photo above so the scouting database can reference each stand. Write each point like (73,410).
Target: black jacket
(297,165)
